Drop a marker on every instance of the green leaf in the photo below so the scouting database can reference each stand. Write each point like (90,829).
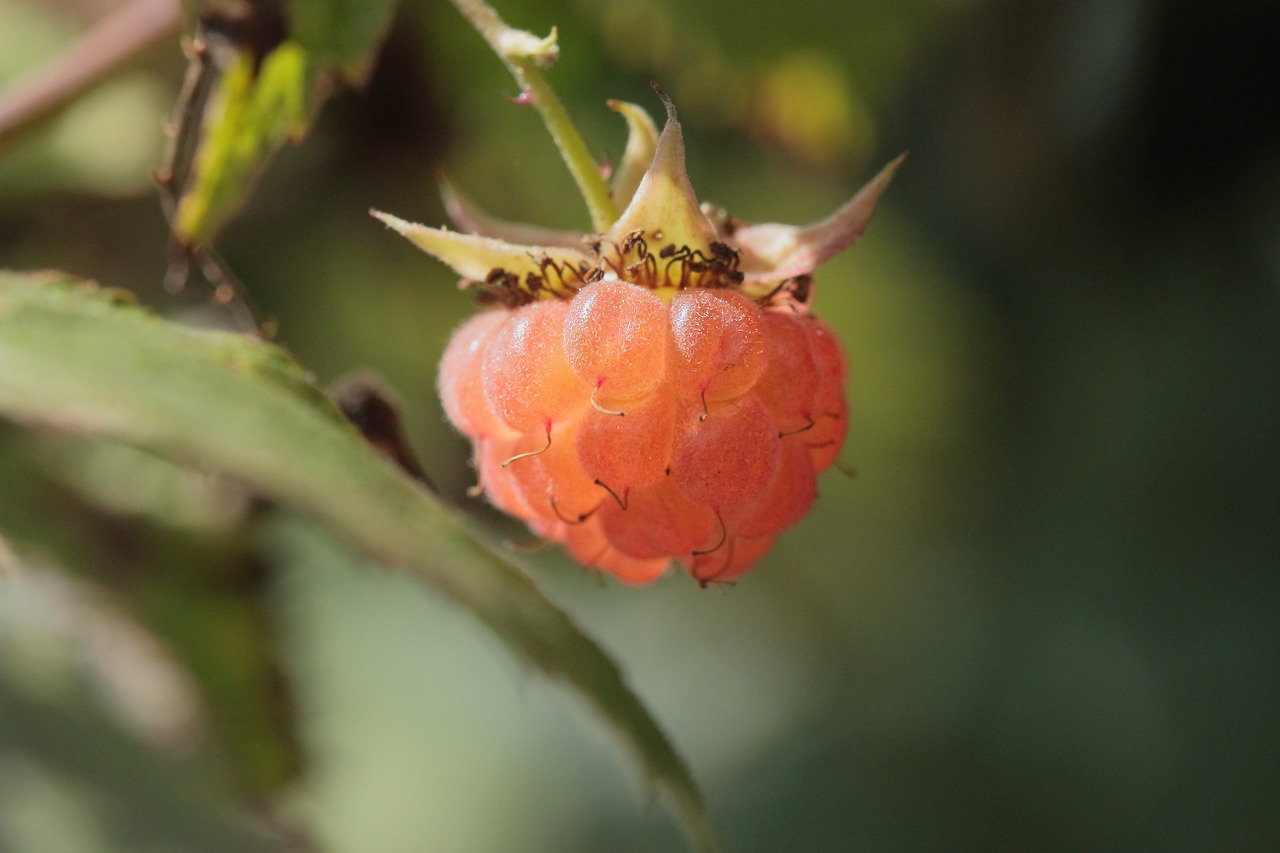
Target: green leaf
(252,114)
(82,358)
(101,727)
(136,797)
(257,101)
(341,35)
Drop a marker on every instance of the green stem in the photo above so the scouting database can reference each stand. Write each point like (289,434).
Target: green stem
(525,55)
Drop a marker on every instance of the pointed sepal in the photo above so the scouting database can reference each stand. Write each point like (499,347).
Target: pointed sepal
(642,141)
(521,270)
(664,206)
(469,217)
(772,252)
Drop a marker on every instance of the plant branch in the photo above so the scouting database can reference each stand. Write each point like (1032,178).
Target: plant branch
(112,42)
(525,55)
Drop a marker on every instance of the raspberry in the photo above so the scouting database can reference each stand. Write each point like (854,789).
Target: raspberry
(707,456)
(658,391)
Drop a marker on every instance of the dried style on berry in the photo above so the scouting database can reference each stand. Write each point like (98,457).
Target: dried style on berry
(658,391)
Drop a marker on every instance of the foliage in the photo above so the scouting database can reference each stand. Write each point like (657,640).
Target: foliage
(86,360)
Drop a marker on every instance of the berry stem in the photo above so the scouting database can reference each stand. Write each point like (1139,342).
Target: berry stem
(525,55)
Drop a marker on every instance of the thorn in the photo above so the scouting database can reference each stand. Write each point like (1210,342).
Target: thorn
(524,99)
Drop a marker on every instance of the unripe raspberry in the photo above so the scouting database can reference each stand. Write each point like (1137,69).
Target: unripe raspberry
(659,391)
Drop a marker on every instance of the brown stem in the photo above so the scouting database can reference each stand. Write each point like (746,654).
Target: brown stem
(112,42)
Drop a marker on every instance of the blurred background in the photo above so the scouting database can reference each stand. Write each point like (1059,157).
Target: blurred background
(1043,615)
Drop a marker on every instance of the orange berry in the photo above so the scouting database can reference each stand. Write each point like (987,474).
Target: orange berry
(636,433)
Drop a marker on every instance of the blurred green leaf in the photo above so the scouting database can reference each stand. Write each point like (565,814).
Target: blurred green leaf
(101,730)
(83,358)
(341,35)
(126,796)
(253,112)
(206,597)
(261,95)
